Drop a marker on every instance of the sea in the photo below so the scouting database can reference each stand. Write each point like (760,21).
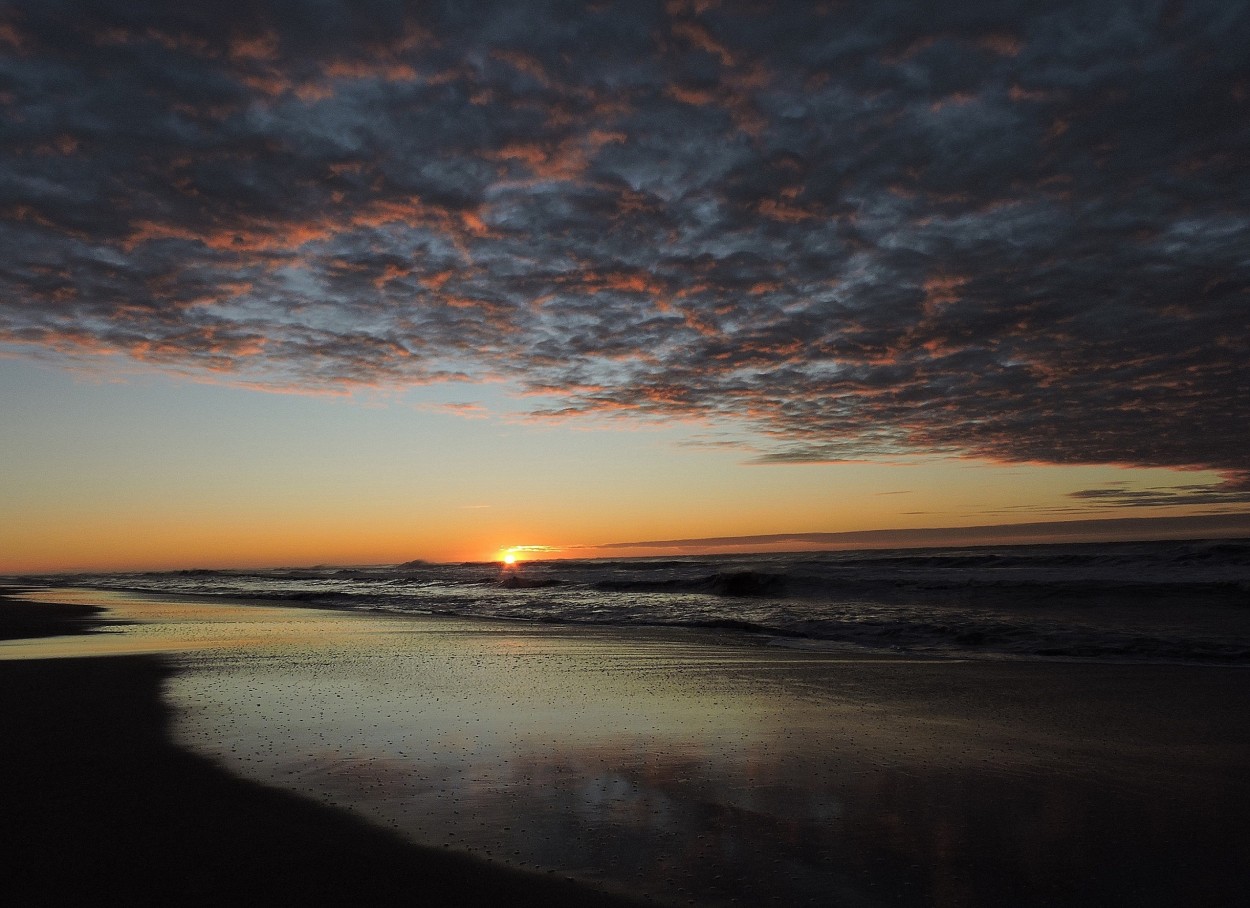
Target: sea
(1170,601)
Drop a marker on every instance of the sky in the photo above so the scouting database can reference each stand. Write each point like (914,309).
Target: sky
(361,282)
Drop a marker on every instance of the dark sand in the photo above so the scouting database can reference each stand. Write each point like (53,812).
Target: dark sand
(98,805)
(692,768)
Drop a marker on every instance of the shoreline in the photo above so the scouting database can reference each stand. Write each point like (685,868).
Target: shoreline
(684,767)
(711,633)
(99,800)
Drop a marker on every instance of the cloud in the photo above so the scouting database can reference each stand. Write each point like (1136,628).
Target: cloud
(1013,231)
(1233,491)
(1105,529)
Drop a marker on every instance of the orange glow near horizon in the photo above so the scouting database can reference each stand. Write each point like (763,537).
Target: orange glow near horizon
(93,546)
(144,476)
(58,540)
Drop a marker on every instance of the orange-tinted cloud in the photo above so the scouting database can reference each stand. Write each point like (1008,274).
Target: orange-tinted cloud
(857,235)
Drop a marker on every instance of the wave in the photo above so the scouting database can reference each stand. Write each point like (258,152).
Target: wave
(517,582)
(964,638)
(1181,601)
(726,583)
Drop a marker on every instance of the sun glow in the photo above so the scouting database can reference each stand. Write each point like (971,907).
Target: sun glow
(513,555)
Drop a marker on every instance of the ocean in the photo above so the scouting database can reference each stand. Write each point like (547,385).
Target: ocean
(1179,602)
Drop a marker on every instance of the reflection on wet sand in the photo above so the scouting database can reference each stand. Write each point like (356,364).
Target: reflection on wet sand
(692,767)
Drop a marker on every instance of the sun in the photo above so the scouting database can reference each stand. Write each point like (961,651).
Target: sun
(509,558)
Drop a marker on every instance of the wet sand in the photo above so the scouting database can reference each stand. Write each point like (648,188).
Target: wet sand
(682,767)
(100,805)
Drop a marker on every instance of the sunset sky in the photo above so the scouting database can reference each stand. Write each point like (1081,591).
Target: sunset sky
(361,282)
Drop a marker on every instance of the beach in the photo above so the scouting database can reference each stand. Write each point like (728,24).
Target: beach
(99,804)
(209,749)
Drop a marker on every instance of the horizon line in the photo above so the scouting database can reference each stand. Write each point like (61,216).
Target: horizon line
(1090,530)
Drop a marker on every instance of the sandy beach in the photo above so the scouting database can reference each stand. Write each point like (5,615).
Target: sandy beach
(210,750)
(99,803)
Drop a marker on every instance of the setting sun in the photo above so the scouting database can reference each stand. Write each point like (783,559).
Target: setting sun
(509,558)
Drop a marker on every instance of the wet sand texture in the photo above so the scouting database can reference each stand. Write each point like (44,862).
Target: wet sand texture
(99,806)
(684,767)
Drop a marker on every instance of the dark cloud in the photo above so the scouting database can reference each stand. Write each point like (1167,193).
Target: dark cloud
(1007,230)
(1232,492)
(1123,528)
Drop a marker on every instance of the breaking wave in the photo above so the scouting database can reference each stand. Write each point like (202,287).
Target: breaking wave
(1157,601)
